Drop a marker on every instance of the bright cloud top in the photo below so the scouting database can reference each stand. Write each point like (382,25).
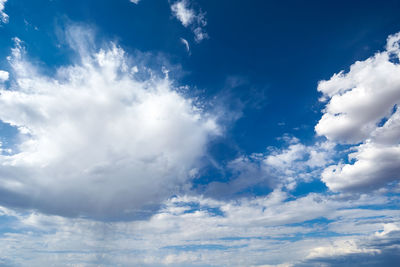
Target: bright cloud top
(363,108)
(95,139)
(3,16)
(190,18)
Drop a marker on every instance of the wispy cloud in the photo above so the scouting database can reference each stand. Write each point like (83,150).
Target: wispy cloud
(3,15)
(195,20)
(186,44)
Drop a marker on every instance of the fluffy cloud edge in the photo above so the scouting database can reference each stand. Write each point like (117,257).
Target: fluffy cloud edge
(362,111)
(99,117)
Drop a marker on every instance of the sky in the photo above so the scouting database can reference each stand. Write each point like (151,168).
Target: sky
(198,133)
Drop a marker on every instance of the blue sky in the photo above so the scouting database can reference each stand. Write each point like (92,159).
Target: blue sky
(199,133)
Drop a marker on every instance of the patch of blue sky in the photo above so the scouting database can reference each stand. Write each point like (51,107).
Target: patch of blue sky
(193,207)
(317,222)
(304,188)
(7,225)
(8,138)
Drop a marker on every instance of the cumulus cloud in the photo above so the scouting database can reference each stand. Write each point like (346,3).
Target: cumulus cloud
(298,162)
(97,139)
(183,11)
(3,15)
(362,110)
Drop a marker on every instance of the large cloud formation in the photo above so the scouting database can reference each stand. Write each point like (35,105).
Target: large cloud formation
(97,139)
(362,110)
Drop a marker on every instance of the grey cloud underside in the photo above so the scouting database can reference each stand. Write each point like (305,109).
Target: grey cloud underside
(387,255)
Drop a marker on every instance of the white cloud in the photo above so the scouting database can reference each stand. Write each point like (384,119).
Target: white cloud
(298,162)
(183,13)
(134,1)
(186,44)
(285,167)
(388,228)
(95,139)
(190,18)
(3,16)
(248,232)
(3,75)
(363,108)
(339,248)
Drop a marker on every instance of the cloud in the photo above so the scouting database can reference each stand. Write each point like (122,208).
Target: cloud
(182,12)
(362,110)
(3,15)
(3,76)
(186,44)
(298,162)
(381,249)
(199,231)
(190,18)
(97,139)
(283,167)
(134,1)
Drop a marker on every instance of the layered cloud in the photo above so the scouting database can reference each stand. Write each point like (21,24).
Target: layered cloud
(362,110)
(197,231)
(97,138)
(190,18)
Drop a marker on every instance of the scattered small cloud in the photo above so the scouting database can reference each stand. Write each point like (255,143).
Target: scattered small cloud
(191,18)
(186,44)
